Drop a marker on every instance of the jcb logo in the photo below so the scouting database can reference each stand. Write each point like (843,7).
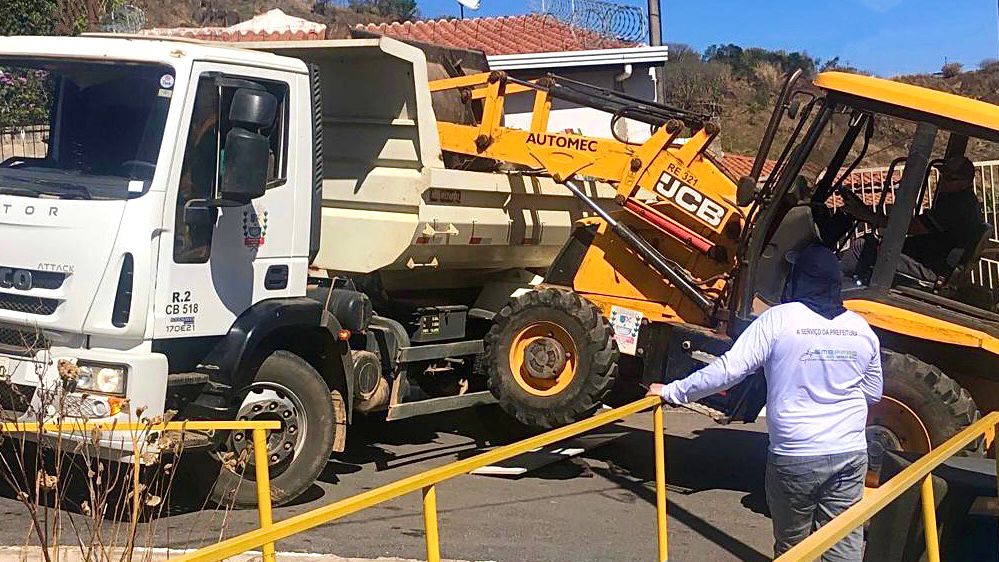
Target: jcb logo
(691,200)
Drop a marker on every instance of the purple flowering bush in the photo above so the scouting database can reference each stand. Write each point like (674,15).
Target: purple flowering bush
(25,97)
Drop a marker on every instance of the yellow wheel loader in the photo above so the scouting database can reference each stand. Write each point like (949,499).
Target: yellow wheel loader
(657,286)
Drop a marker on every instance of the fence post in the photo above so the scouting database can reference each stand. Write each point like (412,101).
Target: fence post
(260,464)
(430,523)
(658,432)
(930,520)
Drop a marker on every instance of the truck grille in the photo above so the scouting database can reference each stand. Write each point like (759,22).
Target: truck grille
(16,341)
(43,279)
(29,305)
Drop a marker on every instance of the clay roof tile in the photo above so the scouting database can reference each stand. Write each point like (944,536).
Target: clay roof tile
(501,35)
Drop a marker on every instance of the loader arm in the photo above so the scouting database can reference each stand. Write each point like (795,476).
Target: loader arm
(695,201)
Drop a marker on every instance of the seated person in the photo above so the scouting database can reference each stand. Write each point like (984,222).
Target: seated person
(952,223)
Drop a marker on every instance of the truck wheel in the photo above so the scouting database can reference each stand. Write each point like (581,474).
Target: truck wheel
(550,358)
(288,389)
(921,407)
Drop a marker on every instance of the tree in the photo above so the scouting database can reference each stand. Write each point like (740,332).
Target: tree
(951,69)
(834,64)
(28,17)
(53,17)
(988,64)
(696,85)
(399,10)
(744,62)
(681,51)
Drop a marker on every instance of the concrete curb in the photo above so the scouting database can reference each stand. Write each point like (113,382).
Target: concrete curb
(74,554)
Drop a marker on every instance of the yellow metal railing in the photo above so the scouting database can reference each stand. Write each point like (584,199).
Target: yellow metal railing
(427,483)
(260,460)
(918,472)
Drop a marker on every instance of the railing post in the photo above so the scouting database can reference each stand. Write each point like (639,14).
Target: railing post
(430,523)
(930,520)
(658,432)
(260,464)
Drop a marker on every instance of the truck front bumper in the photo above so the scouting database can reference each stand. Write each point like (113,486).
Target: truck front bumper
(32,390)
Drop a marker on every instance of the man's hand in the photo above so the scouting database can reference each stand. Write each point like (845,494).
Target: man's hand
(856,207)
(655,389)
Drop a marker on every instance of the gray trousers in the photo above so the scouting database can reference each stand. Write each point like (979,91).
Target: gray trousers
(805,493)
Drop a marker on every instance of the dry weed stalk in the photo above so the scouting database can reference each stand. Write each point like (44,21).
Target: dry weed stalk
(63,481)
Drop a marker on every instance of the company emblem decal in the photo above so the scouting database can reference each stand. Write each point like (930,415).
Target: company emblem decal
(254,228)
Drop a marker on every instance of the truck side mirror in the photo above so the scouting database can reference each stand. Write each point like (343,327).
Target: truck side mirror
(745,192)
(247,150)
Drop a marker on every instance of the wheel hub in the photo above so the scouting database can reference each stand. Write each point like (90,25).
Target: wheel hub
(879,440)
(269,401)
(545,358)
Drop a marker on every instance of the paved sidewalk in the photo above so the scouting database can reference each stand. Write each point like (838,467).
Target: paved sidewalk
(595,508)
(74,554)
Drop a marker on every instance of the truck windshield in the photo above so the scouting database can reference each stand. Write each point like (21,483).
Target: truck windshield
(81,129)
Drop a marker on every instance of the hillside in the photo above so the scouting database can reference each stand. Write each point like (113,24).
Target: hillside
(738,87)
(188,13)
(735,85)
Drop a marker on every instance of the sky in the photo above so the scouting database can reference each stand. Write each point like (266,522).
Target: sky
(887,37)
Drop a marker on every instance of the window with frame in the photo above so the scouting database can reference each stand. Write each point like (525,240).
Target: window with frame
(205,152)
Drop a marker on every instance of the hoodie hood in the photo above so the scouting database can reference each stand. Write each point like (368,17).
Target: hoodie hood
(815,281)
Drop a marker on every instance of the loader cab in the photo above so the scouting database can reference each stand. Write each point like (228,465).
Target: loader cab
(888,146)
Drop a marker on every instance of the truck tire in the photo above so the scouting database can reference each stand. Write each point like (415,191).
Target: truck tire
(550,358)
(921,407)
(286,388)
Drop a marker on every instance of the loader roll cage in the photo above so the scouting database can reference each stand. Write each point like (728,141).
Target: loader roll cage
(781,220)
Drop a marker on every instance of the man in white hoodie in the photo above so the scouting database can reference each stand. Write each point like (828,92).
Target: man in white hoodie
(823,368)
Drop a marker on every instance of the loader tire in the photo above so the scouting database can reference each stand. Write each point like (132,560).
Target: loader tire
(288,389)
(550,358)
(920,408)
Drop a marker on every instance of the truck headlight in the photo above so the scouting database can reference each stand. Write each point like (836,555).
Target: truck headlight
(101,378)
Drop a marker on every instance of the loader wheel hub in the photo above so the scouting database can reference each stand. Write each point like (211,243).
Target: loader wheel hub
(543,358)
(895,426)
(892,426)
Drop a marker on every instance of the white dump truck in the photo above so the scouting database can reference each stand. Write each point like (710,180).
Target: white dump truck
(232,233)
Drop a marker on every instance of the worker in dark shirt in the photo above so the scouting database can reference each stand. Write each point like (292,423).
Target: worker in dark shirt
(953,223)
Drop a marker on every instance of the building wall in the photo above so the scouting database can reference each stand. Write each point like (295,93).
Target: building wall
(584,120)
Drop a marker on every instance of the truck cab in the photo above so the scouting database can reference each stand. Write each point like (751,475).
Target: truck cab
(157,232)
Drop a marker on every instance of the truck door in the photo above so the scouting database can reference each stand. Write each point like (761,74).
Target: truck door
(215,265)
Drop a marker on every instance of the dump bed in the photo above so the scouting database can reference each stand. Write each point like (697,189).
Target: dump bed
(390,204)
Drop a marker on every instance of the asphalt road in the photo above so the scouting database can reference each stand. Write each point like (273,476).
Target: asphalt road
(598,507)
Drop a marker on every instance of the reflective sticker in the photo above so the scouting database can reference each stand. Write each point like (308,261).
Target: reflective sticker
(166,81)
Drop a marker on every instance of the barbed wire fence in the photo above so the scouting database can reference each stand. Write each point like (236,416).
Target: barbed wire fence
(126,18)
(620,21)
